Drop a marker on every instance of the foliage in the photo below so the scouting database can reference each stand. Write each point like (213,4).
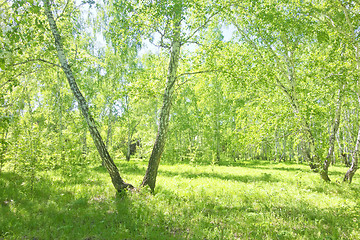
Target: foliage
(267,90)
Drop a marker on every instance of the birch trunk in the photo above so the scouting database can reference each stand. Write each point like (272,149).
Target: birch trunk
(354,164)
(109,130)
(217,121)
(60,121)
(159,145)
(335,126)
(355,156)
(309,148)
(117,181)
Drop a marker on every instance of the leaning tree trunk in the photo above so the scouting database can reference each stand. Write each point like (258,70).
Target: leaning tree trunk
(324,172)
(154,161)
(117,181)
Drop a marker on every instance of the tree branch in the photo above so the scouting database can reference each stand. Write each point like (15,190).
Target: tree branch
(195,42)
(62,12)
(3,3)
(11,78)
(6,105)
(328,20)
(34,60)
(6,82)
(76,52)
(198,72)
(191,73)
(200,27)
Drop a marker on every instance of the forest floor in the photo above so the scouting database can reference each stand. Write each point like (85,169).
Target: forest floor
(245,200)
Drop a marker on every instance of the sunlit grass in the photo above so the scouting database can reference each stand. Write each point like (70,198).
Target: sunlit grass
(244,201)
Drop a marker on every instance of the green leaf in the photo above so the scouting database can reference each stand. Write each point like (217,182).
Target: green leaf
(322,36)
(2,63)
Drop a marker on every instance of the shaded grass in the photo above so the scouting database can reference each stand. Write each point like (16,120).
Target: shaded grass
(263,201)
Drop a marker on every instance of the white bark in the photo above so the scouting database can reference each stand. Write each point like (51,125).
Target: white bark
(117,181)
(154,161)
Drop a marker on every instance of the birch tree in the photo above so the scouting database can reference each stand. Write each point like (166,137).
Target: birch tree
(117,181)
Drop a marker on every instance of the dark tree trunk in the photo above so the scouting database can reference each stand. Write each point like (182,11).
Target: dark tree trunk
(159,145)
(130,151)
(117,181)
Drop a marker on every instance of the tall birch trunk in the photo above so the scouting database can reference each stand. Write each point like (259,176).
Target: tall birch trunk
(309,148)
(354,156)
(109,130)
(84,141)
(159,145)
(354,164)
(355,44)
(128,140)
(283,155)
(117,181)
(3,150)
(217,122)
(335,126)
(60,121)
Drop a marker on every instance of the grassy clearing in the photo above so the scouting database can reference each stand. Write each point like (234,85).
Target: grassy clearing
(246,201)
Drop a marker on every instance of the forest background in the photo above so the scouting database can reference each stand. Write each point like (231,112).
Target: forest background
(87,83)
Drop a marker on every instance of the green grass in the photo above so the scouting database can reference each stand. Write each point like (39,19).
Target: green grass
(248,200)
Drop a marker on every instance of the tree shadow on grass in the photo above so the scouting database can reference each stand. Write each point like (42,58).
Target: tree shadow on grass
(75,176)
(50,212)
(144,221)
(244,163)
(290,169)
(272,220)
(133,168)
(338,173)
(25,206)
(124,167)
(342,189)
(332,223)
(263,177)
